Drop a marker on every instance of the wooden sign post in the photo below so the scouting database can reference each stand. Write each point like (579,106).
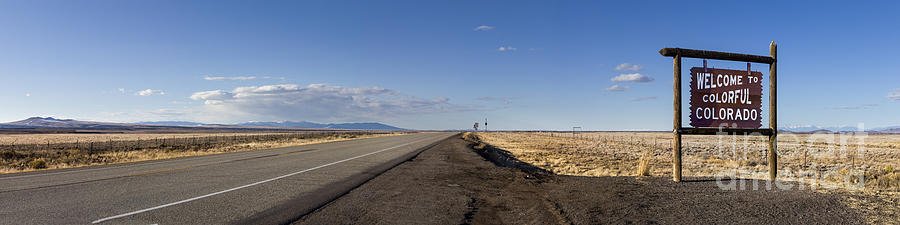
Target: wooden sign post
(724,101)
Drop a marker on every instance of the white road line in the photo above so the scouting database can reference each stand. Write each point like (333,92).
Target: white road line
(124,165)
(249,185)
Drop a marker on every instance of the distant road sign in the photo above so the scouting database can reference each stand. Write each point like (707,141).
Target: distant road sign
(722,97)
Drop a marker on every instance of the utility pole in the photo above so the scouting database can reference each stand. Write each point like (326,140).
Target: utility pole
(485,124)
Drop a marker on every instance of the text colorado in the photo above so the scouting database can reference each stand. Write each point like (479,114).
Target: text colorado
(725,96)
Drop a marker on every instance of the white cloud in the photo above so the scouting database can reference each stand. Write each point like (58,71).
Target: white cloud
(632,77)
(229,78)
(484,28)
(317,102)
(629,67)
(27,94)
(212,97)
(150,92)
(506,48)
(895,95)
(638,99)
(122,90)
(617,88)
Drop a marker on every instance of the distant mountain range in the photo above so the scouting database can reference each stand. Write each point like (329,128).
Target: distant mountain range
(50,122)
(813,129)
(304,124)
(172,123)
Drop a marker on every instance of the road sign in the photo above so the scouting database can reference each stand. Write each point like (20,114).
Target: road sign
(723,97)
(709,85)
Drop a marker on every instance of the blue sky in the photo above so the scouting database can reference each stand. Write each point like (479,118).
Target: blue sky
(425,65)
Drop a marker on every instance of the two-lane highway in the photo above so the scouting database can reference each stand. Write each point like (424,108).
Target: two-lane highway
(266,186)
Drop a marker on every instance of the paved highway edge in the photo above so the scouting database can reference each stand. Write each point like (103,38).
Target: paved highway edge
(292,210)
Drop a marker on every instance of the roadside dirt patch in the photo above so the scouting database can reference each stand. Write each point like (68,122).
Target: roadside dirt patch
(446,184)
(451,184)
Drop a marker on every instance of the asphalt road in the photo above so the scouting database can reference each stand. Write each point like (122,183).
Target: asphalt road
(256,187)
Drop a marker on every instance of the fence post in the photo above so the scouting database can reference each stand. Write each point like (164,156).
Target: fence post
(773,113)
(676,121)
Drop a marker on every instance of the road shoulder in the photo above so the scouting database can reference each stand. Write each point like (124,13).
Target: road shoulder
(450,184)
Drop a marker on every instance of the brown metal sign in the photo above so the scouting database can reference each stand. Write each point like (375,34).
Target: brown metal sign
(730,98)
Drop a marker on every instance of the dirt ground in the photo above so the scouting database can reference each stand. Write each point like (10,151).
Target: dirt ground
(451,184)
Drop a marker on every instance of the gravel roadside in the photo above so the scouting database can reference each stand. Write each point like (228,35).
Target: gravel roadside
(451,184)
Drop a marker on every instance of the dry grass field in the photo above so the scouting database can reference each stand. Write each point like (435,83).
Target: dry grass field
(866,170)
(817,159)
(29,152)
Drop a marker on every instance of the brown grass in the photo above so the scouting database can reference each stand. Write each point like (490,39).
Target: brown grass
(29,152)
(819,160)
(469,136)
(811,158)
(644,164)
